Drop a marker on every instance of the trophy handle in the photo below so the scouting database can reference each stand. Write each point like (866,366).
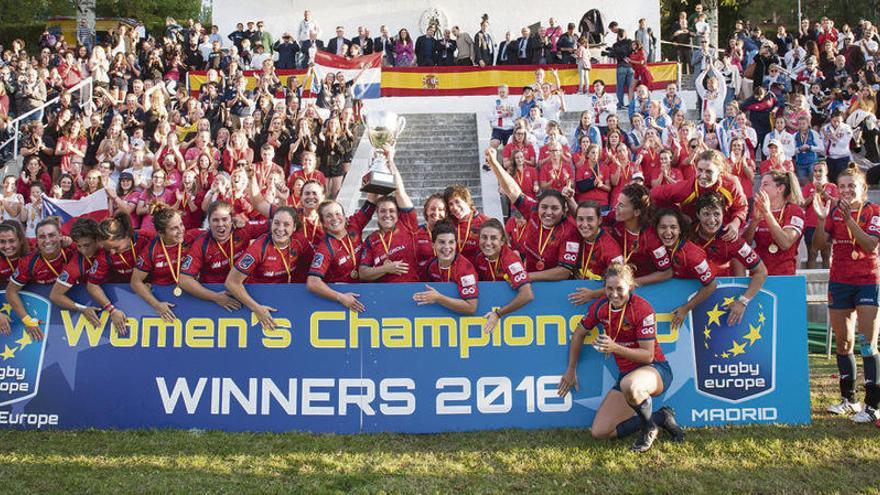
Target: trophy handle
(401,125)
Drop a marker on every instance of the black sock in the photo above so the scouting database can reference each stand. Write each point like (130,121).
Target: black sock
(659,418)
(643,412)
(872,392)
(846,367)
(628,427)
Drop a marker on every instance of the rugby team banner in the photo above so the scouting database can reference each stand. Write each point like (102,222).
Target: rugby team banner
(395,367)
(448,81)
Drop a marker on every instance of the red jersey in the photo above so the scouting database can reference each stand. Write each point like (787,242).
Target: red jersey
(585,178)
(264,263)
(515,233)
(507,267)
(557,178)
(527,149)
(153,260)
(737,169)
(625,171)
(597,255)
(782,262)
(650,164)
(117,268)
(844,269)
(720,252)
(76,270)
(643,249)
(689,262)
(545,248)
(37,269)
(7,268)
(828,189)
(768,166)
(467,234)
(424,247)
(627,326)
(210,262)
(336,259)
(527,180)
(397,245)
(461,272)
(544,152)
(315,175)
(684,197)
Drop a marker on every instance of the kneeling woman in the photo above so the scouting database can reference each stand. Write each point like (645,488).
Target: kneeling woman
(270,259)
(628,331)
(496,261)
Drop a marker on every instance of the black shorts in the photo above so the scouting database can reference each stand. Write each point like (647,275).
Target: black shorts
(663,369)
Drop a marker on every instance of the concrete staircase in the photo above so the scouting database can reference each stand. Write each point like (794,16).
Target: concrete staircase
(435,151)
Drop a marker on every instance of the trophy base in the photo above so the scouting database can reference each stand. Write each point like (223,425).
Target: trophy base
(381,183)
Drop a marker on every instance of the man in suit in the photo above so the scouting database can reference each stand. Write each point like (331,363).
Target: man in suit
(339,45)
(484,46)
(309,47)
(506,54)
(426,48)
(526,48)
(363,40)
(287,50)
(446,50)
(385,45)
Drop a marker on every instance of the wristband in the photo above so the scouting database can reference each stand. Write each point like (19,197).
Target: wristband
(80,307)
(30,321)
(744,300)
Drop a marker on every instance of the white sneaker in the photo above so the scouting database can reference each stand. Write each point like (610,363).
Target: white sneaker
(867,415)
(845,407)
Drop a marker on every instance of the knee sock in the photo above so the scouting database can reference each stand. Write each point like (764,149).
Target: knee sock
(659,418)
(846,367)
(628,426)
(643,412)
(872,391)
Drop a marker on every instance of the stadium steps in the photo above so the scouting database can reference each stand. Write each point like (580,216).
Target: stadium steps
(436,150)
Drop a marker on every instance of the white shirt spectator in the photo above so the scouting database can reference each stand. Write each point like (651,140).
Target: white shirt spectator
(837,140)
(142,177)
(302,32)
(603,106)
(784,137)
(503,114)
(552,107)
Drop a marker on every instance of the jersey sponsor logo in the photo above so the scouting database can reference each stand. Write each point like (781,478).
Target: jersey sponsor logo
(466,291)
(875,221)
(647,331)
(648,320)
(703,267)
(140,261)
(515,267)
(318,260)
(572,247)
(94,268)
(660,252)
(247,260)
(187,262)
(796,222)
(520,277)
(745,250)
(569,257)
(468,280)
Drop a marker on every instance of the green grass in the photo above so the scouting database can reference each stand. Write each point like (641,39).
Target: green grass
(832,455)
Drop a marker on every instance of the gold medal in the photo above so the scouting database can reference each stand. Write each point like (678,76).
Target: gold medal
(855,255)
(354,274)
(539,265)
(177,291)
(773,248)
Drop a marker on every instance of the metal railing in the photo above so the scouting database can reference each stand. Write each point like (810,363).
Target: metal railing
(84,89)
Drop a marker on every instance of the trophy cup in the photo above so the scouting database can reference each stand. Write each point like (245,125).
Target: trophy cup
(382,127)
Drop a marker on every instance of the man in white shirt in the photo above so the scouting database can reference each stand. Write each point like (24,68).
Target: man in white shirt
(306,25)
(502,118)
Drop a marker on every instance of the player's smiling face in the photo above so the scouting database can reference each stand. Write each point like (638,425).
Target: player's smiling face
(312,195)
(669,230)
(48,239)
(387,215)
(282,228)
(444,247)
(850,190)
(587,222)
(491,240)
(333,219)
(710,219)
(459,208)
(617,291)
(550,211)
(9,244)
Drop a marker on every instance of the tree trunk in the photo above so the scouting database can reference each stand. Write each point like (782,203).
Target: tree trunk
(710,7)
(85,22)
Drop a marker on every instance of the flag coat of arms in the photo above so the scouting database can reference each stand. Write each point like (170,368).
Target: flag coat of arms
(364,72)
(735,362)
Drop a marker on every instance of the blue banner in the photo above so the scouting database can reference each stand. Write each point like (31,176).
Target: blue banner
(396,367)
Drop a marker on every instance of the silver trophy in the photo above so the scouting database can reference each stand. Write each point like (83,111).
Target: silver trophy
(382,127)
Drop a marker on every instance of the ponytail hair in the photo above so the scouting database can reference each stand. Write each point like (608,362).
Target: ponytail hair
(116,228)
(162,217)
(640,198)
(789,181)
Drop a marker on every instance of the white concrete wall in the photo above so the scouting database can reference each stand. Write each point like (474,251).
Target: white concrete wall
(284,15)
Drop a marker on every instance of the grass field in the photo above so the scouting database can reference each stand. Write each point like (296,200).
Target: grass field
(832,455)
